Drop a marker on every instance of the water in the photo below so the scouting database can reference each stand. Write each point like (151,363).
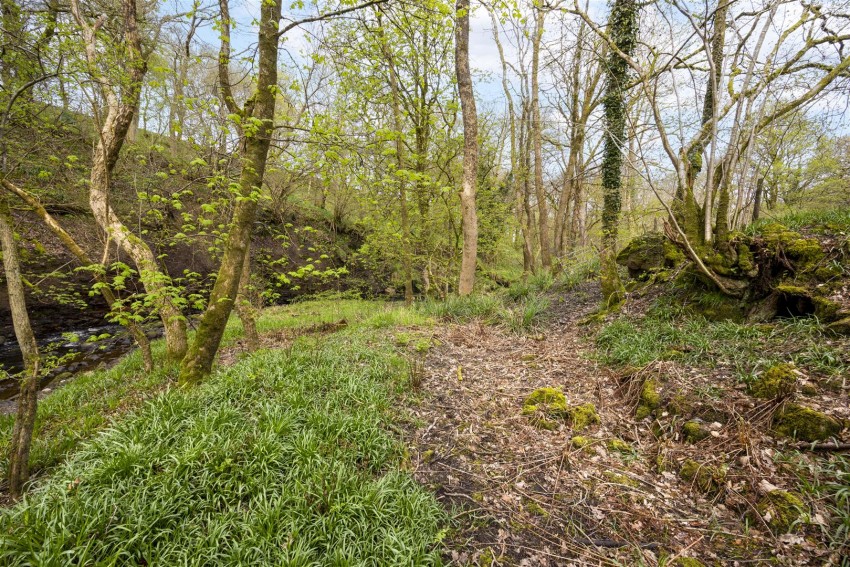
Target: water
(75,350)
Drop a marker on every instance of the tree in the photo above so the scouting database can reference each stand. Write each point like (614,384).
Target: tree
(119,86)
(470,150)
(622,29)
(255,125)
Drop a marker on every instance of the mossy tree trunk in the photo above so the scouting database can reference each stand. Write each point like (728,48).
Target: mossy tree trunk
(245,305)
(470,150)
(19,446)
(255,139)
(122,103)
(623,28)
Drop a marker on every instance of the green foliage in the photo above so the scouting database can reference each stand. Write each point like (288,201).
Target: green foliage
(457,309)
(671,332)
(251,468)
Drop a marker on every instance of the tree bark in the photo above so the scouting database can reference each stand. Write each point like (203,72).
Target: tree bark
(623,25)
(28,398)
(245,305)
(537,135)
(470,150)
(122,104)
(404,213)
(259,110)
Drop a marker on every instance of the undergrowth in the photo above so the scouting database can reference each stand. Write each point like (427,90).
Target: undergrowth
(285,458)
(669,332)
(826,480)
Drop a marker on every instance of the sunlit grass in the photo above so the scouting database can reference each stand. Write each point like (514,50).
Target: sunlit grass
(672,333)
(285,458)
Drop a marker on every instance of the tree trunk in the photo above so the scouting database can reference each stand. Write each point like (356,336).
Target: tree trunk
(537,135)
(623,29)
(122,104)
(255,148)
(516,139)
(404,213)
(470,150)
(245,305)
(758,199)
(19,447)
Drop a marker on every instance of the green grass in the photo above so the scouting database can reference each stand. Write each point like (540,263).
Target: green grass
(673,333)
(288,457)
(91,401)
(826,480)
(517,313)
(831,219)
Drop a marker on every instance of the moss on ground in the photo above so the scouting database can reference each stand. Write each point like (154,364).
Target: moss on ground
(777,381)
(704,477)
(781,509)
(650,399)
(805,424)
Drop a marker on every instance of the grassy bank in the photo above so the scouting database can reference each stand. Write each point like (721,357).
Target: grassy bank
(287,457)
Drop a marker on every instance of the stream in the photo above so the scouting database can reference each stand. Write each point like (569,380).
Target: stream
(77,350)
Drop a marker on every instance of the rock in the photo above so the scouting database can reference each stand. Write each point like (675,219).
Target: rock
(781,509)
(777,381)
(694,430)
(649,400)
(805,424)
(649,253)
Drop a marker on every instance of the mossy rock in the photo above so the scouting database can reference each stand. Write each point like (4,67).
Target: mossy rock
(781,509)
(840,327)
(548,406)
(580,442)
(694,431)
(583,416)
(778,381)
(688,562)
(804,252)
(805,424)
(706,478)
(650,399)
(648,254)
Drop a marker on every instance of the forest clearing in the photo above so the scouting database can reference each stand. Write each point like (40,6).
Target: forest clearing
(394,282)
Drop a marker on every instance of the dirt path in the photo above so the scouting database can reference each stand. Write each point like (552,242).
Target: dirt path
(523,495)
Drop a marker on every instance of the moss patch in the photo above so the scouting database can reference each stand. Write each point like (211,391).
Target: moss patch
(781,509)
(583,416)
(548,406)
(694,431)
(580,442)
(650,399)
(619,446)
(706,478)
(778,381)
(805,424)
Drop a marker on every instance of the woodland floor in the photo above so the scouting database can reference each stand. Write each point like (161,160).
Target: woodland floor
(521,495)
